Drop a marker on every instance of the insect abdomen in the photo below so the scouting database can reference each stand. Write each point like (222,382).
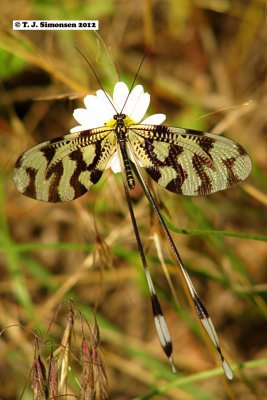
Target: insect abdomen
(127,166)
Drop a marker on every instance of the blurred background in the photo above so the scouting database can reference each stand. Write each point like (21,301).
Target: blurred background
(205,69)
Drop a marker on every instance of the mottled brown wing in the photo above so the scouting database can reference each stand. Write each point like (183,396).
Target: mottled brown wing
(64,168)
(187,161)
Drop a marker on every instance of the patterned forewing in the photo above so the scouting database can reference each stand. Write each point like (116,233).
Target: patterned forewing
(64,168)
(189,162)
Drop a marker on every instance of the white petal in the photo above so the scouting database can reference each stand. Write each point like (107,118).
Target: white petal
(133,99)
(91,102)
(92,116)
(115,164)
(93,106)
(81,115)
(78,128)
(141,107)
(155,119)
(105,104)
(120,94)
(87,119)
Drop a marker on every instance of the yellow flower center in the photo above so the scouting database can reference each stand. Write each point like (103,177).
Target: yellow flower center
(127,121)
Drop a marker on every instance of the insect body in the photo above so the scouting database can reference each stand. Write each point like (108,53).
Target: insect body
(121,133)
(183,161)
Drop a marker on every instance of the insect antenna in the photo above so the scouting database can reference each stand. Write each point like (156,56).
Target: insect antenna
(98,80)
(201,311)
(135,77)
(159,320)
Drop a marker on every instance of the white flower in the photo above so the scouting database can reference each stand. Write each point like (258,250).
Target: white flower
(99,111)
